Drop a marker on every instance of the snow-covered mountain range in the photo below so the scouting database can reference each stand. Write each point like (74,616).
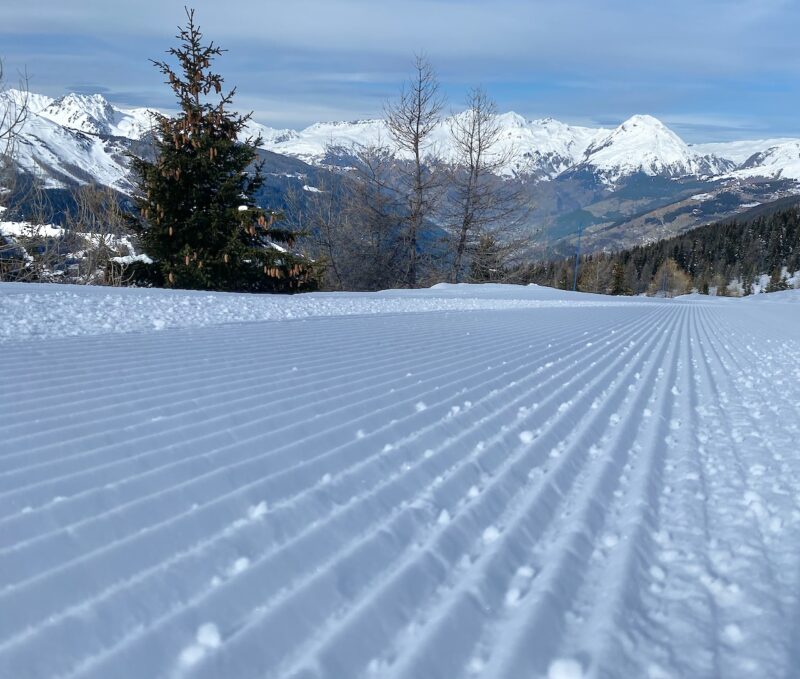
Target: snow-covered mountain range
(631,184)
(543,148)
(546,148)
(76,139)
(79,136)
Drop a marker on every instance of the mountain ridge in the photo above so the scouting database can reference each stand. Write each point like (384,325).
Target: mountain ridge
(542,148)
(618,186)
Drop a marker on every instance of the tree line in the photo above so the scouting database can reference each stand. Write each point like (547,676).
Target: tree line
(706,259)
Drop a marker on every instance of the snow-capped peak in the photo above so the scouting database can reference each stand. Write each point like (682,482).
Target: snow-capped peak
(93,114)
(32,101)
(84,112)
(269,135)
(644,144)
(779,161)
(511,119)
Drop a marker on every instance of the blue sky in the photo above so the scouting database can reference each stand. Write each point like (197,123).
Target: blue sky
(711,69)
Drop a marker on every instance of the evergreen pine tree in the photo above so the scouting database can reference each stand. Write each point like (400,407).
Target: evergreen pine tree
(198,220)
(563,280)
(777,282)
(618,286)
(487,261)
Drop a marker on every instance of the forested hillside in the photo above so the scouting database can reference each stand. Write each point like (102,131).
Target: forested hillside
(708,259)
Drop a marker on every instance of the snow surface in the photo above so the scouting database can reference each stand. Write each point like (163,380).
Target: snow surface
(52,310)
(510,482)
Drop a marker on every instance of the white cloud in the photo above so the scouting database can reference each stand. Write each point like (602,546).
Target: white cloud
(299,61)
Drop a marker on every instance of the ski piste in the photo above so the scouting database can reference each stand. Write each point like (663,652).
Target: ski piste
(465,481)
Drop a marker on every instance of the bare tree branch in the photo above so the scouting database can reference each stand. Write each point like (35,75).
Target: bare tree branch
(13,111)
(410,120)
(485,210)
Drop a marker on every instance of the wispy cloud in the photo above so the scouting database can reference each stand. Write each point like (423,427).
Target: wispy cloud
(296,62)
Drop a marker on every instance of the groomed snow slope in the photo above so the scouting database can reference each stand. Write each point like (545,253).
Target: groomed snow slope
(506,482)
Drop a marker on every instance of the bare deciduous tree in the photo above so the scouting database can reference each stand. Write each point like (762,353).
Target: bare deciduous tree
(97,226)
(376,212)
(411,120)
(670,280)
(82,250)
(319,213)
(595,274)
(475,134)
(13,112)
(34,252)
(482,203)
(355,225)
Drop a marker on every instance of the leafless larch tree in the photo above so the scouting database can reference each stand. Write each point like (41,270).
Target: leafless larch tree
(482,204)
(411,119)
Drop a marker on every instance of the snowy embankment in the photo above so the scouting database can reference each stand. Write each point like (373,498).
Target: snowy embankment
(515,482)
(60,310)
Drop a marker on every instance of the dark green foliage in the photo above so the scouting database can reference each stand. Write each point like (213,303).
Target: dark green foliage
(777,282)
(618,285)
(487,261)
(711,255)
(198,218)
